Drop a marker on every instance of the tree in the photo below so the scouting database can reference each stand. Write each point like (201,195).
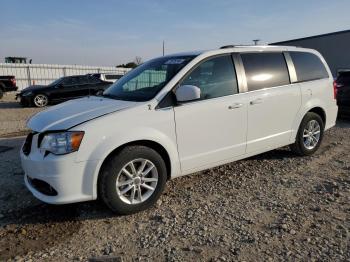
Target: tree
(138,60)
(128,65)
(135,63)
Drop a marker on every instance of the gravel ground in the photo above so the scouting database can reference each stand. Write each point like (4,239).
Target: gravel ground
(13,116)
(272,207)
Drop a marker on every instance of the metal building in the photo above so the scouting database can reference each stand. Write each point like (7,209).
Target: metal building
(335,48)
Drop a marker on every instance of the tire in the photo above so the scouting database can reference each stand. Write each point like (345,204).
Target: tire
(1,93)
(300,147)
(40,100)
(125,198)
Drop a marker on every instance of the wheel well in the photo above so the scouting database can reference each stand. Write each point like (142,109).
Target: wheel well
(151,144)
(320,112)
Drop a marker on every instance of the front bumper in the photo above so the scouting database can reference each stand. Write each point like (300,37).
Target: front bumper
(24,100)
(71,180)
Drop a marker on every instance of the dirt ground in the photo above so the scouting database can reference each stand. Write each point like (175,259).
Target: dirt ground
(13,116)
(271,207)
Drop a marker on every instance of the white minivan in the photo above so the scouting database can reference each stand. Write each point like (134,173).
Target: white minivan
(175,115)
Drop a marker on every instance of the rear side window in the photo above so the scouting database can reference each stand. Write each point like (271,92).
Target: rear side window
(308,66)
(113,77)
(265,70)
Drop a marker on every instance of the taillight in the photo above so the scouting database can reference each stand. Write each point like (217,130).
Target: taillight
(335,90)
(13,81)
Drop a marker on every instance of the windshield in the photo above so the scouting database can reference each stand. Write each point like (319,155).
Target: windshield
(145,81)
(56,81)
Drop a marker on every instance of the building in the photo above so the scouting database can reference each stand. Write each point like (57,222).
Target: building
(335,48)
(16,60)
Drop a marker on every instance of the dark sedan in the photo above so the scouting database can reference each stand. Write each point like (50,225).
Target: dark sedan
(342,85)
(62,89)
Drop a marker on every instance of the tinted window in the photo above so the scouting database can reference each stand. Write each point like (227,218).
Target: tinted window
(308,66)
(83,80)
(70,81)
(93,80)
(344,77)
(111,77)
(265,70)
(215,77)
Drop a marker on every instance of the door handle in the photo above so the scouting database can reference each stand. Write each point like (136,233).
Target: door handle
(256,101)
(309,92)
(235,105)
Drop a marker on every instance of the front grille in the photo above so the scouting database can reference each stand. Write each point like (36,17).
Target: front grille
(28,144)
(42,186)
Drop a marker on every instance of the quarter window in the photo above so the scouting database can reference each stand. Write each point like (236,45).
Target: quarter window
(265,70)
(215,77)
(308,66)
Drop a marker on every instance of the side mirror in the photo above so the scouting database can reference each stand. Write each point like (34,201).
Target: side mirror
(187,93)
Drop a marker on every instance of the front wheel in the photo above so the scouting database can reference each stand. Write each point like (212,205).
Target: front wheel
(309,135)
(132,180)
(40,100)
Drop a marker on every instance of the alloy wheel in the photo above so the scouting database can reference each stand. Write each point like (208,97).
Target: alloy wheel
(311,134)
(40,100)
(137,181)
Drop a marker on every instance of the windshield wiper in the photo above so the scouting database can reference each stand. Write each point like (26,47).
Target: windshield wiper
(109,96)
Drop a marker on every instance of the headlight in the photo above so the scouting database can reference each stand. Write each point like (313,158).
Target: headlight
(28,93)
(62,143)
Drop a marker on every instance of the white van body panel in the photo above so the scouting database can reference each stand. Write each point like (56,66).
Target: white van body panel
(196,136)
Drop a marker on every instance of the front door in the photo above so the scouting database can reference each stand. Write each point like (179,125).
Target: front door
(211,130)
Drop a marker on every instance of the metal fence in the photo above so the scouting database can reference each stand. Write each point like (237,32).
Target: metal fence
(43,74)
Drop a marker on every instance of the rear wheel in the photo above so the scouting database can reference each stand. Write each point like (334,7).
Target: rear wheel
(309,135)
(40,100)
(132,180)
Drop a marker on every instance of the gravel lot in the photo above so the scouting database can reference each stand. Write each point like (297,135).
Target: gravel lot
(272,207)
(13,116)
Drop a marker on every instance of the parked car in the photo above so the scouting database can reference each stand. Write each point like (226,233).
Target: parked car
(342,87)
(62,89)
(108,77)
(7,84)
(176,115)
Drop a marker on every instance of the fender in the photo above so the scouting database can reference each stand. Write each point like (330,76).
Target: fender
(106,140)
(309,105)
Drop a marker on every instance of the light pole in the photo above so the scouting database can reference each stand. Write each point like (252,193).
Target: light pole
(256,41)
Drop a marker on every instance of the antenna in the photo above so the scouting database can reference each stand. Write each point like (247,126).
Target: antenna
(163,47)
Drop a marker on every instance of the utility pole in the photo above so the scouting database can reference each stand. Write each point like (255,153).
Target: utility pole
(163,48)
(256,41)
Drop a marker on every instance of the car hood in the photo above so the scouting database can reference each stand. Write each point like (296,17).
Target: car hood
(32,88)
(75,112)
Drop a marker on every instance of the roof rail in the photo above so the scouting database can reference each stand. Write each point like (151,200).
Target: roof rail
(227,46)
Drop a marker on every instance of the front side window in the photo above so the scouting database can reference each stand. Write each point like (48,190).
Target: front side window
(308,66)
(69,81)
(145,81)
(215,77)
(265,70)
